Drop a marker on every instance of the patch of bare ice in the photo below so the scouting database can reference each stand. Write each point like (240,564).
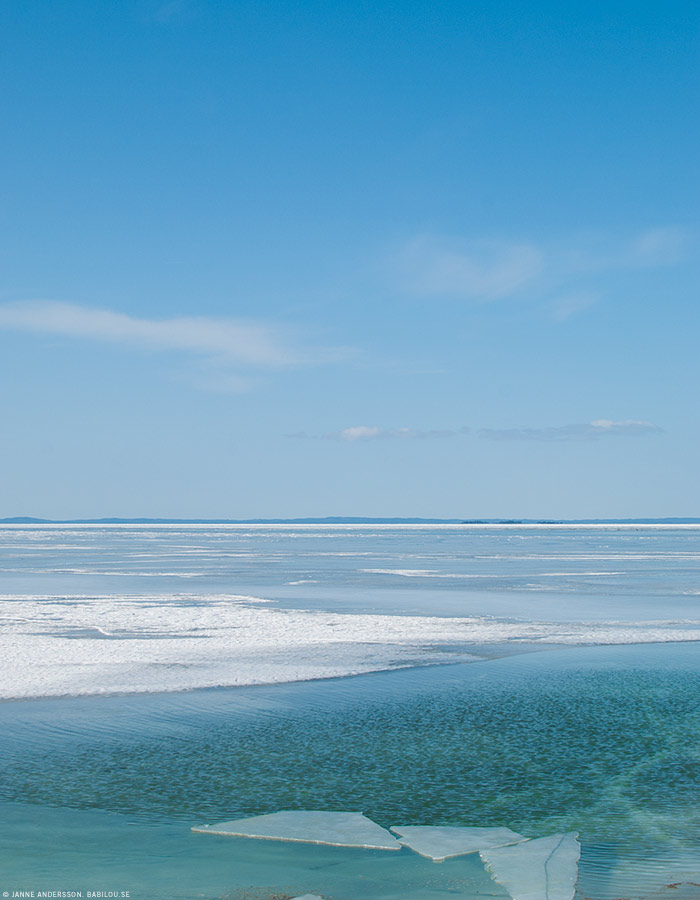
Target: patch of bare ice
(441,842)
(337,829)
(543,869)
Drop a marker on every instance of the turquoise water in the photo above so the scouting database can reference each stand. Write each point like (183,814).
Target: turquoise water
(99,793)
(605,741)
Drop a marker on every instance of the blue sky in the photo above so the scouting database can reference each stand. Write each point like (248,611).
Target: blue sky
(288,259)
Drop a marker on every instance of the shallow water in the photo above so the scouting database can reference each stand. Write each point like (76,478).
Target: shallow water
(604,741)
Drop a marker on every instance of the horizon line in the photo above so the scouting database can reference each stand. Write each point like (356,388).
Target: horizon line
(354,520)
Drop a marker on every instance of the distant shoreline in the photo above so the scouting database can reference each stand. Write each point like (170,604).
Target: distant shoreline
(346,520)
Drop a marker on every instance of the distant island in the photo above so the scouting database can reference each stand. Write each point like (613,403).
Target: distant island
(345,520)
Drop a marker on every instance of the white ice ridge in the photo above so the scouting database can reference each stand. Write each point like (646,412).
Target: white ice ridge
(308,897)
(442,842)
(543,869)
(337,829)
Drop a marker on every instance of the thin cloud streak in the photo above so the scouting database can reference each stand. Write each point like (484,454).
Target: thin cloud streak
(591,431)
(228,340)
(360,433)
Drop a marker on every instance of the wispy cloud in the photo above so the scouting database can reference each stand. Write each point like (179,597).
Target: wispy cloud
(223,355)
(473,270)
(570,304)
(593,254)
(657,247)
(570,271)
(373,432)
(591,431)
(227,339)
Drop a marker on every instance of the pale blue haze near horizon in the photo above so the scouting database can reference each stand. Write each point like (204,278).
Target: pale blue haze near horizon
(304,259)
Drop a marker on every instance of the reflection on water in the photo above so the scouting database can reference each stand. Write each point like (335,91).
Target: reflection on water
(604,741)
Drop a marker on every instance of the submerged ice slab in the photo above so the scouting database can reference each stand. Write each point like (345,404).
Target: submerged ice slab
(442,842)
(543,869)
(339,829)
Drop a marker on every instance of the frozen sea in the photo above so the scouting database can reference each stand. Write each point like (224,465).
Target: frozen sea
(544,679)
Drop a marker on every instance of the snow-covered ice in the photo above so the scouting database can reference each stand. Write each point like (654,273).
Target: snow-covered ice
(440,842)
(72,645)
(57,645)
(338,829)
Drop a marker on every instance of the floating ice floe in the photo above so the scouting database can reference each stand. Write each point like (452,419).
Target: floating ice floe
(308,897)
(442,842)
(338,829)
(543,869)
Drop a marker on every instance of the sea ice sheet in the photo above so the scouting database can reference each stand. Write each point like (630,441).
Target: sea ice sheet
(543,869)
(339,829)
(442,842)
